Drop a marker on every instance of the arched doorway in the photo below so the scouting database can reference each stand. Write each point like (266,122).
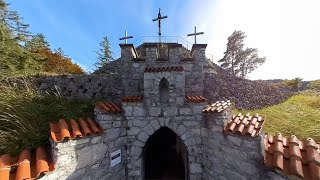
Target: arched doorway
(165,156)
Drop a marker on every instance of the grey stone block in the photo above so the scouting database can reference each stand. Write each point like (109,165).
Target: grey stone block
(148,129)
(195,168)
(155,124)
(138,111)
(143,136)
(154,111)
(185,111)
(133,131)
(232,174)
(234,140)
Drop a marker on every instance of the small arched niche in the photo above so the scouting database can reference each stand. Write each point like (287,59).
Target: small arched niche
(164,90)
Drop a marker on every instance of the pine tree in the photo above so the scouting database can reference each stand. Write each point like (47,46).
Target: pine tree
(15,59)
(237,60)
(104,54)
(37,42)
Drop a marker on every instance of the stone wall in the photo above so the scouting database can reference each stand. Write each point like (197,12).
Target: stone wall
(115,138)
(144,121)
(176,82)
(104,86)
(79,159)
(89,158)
(233,156)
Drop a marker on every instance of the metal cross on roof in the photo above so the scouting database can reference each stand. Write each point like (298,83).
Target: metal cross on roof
(126,37)
(195,34)
(159,18)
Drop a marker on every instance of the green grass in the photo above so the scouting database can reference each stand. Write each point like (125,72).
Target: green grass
(299,115)
(25,115)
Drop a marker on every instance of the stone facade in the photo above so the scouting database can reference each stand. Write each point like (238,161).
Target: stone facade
(106,86)
(207,152)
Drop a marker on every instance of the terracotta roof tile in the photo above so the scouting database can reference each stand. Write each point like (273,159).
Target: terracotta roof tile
(163,69)
(77,129)
(5,163)
(217,106)
(25,166)
(246,125)
(133,99)
(292,156)
(196,99)
(108,107)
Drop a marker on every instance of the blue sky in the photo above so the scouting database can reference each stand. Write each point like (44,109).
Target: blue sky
(285,31)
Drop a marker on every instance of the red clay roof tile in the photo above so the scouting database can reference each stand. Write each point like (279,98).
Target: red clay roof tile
(292,156)
(75,129)
(108,107)
(196,99)
(42,165)
(163,69)
(5,163)
(245,125)
(132,99)
(61,131)
(24,171)
(25,167)
(218,106)
(84,126)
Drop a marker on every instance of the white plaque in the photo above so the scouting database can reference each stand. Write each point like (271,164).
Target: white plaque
(115,158)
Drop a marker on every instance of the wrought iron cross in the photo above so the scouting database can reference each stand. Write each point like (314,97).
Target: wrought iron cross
(159,18)
(195,34)
(126,37)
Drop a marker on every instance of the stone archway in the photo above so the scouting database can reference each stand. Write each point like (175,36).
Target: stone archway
(165,156)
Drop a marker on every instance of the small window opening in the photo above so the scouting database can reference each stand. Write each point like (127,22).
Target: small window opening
(164,90)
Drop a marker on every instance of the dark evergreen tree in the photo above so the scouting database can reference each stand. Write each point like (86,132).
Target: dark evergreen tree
(237,60)
(104,53)
(37,42)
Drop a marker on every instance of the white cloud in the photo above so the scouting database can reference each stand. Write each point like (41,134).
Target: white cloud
(285,31)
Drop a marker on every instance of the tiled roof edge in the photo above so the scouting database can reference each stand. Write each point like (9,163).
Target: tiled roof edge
(245,125)
(65,130)
(108,107)
(138,98)
(196,99)
(291,156)
(163,69)
(43,165)
(218,106)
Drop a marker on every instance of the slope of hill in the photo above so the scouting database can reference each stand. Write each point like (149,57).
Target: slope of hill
(246,94)
(299,115)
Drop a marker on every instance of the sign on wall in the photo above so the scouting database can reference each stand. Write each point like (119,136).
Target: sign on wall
(115,158)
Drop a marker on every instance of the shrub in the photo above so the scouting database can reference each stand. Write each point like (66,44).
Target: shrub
(25,114)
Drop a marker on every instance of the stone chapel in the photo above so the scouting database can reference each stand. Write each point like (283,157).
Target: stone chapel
(165,128)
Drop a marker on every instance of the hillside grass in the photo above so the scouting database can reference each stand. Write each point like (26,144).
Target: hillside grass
(299,115)
(25,115)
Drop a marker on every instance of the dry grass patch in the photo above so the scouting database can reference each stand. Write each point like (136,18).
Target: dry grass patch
(299,115)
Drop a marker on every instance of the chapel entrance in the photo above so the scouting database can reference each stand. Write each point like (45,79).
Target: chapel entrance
(165,156)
